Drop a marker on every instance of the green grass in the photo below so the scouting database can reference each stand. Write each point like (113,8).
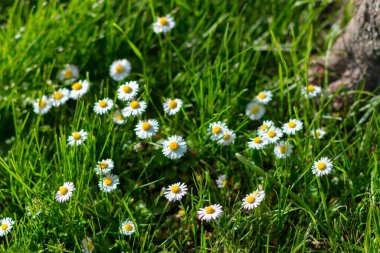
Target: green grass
(219,55)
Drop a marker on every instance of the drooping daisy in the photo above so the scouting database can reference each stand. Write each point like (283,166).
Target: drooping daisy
(273,135)
(265,127)
(222,181)
(104,167)
(109,183)
(60,97)
(65,192)
(69,73)
(134,108)
(163,24)
(257,143)
(174,147)
(128,91)
(319,133)
(6,226)
(293,126)
(146,128)
(118,117)
(264,97)
(127,227)
(120,69)
(283,149)
(87,245)
(311,91)
(216,130)
(254,111)
(77,138)
(322,167)
(253,200)
(211,212)
(79,89)
(228,137)
(103,106)
(176,191)
(181,213)
(42,105)
(172,106)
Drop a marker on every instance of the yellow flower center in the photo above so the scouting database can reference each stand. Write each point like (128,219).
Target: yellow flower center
(42,103)
(119,117)
(128,227)
(264,127)
(181,212)
(134,104)
(77,86)
(63,190)
(68,73)
(175,189)
(58,95)
(310,88)
(216,129)
(102,103)
(282,149)
(226,136)
(318,133)
(255,109)
(292,124)
(262,95)
(127,89)
(173,145)
(172,104)
(76,136)
(107,181)
(89,245)
(321,165)
(210,210)
(257,140)
(4,226)
(251,199)
(271,133)
(146,126)
(103,165)
(163,21)
(224,182)
(119,68)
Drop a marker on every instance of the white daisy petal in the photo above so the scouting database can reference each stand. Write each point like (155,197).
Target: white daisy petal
(104,167)
(69,73)
(87,245)
(211,212)
(228,137)
(254,111)
(118,118)
(128,91)
(146,128)
(311,91)
(42,105)
(257,142)
(265,127)
(163,24)
(322,167)
(273,135)
(120,69)
(77,138)
(293,126)
(264,97)
(103,106)
(174,147)
(176,192)
(134,108)
(60,97)
(222,181)
(216,130)
(109,183)
(6,226)
(283,149)
(65,192)
(319,133)
(79,89)
(127,227)
(253,200)
(172,106)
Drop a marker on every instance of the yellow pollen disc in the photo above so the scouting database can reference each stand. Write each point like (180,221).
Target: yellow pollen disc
(310,88)
(102,103)
(103,165)
(321,165)
(173,146)
(68,73)
(119,117)
(262,95)
(128,227)
(127,89)
(4,226)
(318,133)
(172,104)
(77,86)
(251,199)
(255,109)
(119,68)
(146,126)
(291,124)
(58,95)
(282,149)
(63,190)
(226,136)
(175,189)
(89,245)
(271,133)
(264,127)
(210,210)
(76,136)
(216,129)
(257,140)
(181,212)
(224,182)
(107,181)
(134,104)
(163,21)
(42,103)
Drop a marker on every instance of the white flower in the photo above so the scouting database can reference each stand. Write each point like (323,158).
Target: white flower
(60,97)
(265,127)
(176,192)
(174,147)
(322,167)
(293,126)
(120,69)
(146,128)
(273,135)
(319,133)
(87,245)
(65,192)
(216,130)
(311,91)
(69,73)
(228,137)
(127,227)
(264,97)
(103,106)
(118,118)
(77,138)
(108,183)
(79,89)
(42,106)
(254,111)
(134,108)
(257,143)
(211,212)
(104,167)
(222,181)
(128,91)
(163,24)
(172,106)
(283,149)
(6,226)
(253,200)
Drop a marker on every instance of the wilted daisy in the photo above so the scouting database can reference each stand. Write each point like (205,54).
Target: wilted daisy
(228,137)
(322,167)
(108,183)
(103,106)
(77,138)
(273,135)
(319,133)
(42,105)
(253,200)
(264,97)
(69,73)
(163,24)
(128,91)
(120,69)
(311,91)
(254,111)
(87,245)
(34,209)
(293,126)
(216,130)
(6,226)
(65,192)
(265,127)
(118,117)
(146,128)
(127,227)
(211,212)
(174,147)
(104,167)
(283,149)
(172,106)
(60,97)
(134,108)
(257,143)
(175,191)
(221,181)
(79,89)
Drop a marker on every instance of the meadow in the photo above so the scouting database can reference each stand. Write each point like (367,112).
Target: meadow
(181,126)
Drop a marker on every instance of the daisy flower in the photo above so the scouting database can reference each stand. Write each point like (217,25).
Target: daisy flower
(104,167)
(118,117)
(264,97)
(174,147)
(175,192)
(172,106)
(254,111)
(77,138)
(127,227)
(221,181)
(146,128)
(108,183)
(60,97)
(128,91)
(273,135)
(311,91)
(87,245)
(6,226)
(69,73)
(228,137)
(163,24)
(216,130)
(253,200)
(264,127)
(42,105)
(181,213)
(103,106)
(293,126)
(257,143)
(120,69)
(319,133)
(283,149)
(79,89)
(322,167)
(65,192)
(211,212)
(134,108)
